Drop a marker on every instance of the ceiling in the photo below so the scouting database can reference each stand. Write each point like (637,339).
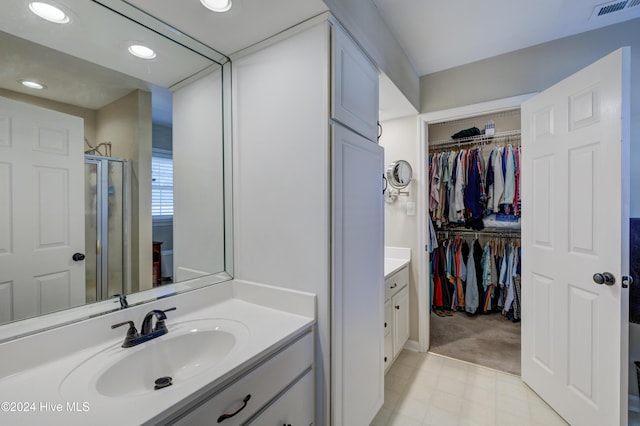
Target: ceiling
(247,23)
(442,34)
(435,34)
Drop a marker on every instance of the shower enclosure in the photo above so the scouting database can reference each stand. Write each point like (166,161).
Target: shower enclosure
(106,222)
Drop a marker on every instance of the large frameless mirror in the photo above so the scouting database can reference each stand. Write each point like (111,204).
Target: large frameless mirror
(113,167)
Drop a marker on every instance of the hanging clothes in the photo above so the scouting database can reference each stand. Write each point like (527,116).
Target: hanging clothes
(472,297)
(476,278)
(465,187)
(498,180)
(474,197)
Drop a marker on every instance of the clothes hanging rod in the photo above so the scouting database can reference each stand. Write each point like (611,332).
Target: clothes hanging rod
(485,232)
(501,137)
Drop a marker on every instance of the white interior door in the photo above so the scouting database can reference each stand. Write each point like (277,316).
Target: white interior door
(41,210)
(574,225)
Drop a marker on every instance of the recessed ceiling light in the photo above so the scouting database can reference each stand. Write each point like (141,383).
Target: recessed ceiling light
(217,5)
(49,12)
(32,84)
(142,51)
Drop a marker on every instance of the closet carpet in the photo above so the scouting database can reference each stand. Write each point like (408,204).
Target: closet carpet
(489,340)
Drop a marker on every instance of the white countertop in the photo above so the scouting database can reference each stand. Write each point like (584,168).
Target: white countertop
(271,315)
(395,258)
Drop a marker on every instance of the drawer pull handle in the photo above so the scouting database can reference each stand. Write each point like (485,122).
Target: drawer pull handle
(385,325)
(228,416)
(394,285)
(398,307)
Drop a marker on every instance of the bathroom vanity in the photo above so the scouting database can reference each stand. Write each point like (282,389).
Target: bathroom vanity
(396,302)
(234,353)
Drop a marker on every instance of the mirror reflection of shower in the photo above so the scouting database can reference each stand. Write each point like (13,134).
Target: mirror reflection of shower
(107,217)
(103,149)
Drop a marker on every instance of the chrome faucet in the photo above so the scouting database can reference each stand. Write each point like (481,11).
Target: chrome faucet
(123,300)
(148,331)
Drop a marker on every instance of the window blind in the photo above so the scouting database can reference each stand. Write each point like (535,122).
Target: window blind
(161,187)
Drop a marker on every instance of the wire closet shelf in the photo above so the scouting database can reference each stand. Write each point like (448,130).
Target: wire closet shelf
(508,137)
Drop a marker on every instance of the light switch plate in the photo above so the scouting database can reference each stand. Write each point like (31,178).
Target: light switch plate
(411,208)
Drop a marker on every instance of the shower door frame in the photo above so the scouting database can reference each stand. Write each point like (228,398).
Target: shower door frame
(102,224)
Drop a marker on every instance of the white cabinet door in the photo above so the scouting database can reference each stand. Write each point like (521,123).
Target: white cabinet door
(388,334)
(388,317)
(294,407)
(400,304)
(357,368)
(575,219)
(249,393)
(354,100)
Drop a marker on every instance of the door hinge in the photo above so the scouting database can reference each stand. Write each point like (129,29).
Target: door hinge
(627,280)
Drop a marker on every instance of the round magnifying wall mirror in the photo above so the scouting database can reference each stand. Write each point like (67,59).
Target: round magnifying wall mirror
(399,174)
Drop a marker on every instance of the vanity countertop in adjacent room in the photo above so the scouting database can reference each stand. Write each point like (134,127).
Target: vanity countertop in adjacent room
(395,258)
(33,390)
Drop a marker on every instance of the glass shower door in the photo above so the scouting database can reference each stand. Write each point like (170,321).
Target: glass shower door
(115,228)
(91,229)
(105,185)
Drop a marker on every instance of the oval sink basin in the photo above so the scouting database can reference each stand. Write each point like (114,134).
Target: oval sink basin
(187,350)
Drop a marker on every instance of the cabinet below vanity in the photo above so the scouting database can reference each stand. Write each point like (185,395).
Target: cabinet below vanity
(234,353)
(274,392)
(396,311)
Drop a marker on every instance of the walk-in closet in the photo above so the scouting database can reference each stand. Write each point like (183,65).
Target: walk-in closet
(473,200)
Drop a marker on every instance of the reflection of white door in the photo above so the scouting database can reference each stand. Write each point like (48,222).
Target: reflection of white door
(41,210)
(575,224)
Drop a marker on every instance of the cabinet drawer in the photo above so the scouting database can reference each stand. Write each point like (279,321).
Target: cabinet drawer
(396,282)
(294,407)
(263,383)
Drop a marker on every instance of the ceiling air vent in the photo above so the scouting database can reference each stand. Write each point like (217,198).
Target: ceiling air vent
(614,6)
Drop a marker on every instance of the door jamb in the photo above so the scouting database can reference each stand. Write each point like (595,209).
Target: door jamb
(424,120)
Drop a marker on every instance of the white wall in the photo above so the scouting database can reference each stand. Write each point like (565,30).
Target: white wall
(535,69)
(126,123)
(198,221)
(282,174)
(400,141)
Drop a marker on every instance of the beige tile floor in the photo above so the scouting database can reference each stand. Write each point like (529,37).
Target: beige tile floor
(429,389)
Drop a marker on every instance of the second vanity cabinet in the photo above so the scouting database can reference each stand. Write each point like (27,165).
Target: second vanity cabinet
(396,315)
(275,392)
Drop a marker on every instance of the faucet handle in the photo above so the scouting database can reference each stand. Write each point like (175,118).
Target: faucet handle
(132,333)
(160,325)
(170,309)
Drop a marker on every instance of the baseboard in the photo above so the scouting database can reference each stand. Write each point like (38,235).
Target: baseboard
(412,345)
(634,403)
